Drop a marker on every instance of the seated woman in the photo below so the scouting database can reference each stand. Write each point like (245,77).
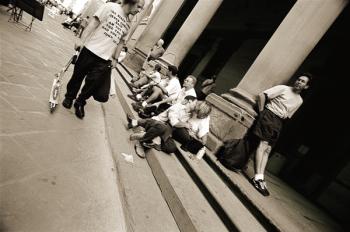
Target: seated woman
(193,135)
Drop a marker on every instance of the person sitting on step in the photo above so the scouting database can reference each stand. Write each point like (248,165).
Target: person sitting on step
(193,134)
(161,125)
(147,109)
(169,87)
(151,78)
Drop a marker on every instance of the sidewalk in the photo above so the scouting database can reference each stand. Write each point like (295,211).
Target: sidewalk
(57,172)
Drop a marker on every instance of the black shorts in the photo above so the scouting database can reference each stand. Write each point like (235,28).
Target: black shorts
(268,127)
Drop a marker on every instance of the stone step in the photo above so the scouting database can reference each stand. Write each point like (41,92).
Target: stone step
(213,193)
(228,206)
(281,216)
(190,208)
(284,210)
(124,75)
(240,184)
(143,204)
(128,70)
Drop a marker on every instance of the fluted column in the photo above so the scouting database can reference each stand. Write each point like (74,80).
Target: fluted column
(190,30)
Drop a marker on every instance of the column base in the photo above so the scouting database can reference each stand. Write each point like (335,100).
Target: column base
(242,99)
(135,60)
(227,121)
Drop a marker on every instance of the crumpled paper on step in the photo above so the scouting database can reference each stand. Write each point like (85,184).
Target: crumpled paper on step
(128,158)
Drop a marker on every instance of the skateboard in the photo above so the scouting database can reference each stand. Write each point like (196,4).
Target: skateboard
(57,83)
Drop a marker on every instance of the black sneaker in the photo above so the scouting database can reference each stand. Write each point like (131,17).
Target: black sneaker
(132,97)
(67,103)
(136,106)
(151,145)
(143,115)
(260,185)
(129,119)
(183,147)
(79,110)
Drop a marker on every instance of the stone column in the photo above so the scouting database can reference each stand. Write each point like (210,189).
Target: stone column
(190,31)
(294,39)
(159,22)
(139,17)
(206,59)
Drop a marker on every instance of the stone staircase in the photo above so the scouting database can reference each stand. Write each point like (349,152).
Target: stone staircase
(205,196)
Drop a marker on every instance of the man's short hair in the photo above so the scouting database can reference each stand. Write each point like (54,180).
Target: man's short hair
(157,67)
(132,2)
(190,98)
(161,42)
(203,108)
(308,75)
(173,69)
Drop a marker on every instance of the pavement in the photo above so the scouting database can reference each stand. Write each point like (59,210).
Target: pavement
(57,172)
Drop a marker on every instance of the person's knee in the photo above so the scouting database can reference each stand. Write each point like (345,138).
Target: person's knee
(157,91)
(268,149)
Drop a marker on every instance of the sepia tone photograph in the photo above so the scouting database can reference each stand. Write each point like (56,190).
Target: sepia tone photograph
(174,115)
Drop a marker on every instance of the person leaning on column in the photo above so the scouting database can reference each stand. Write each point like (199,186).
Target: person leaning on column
(275,106)
(100,49)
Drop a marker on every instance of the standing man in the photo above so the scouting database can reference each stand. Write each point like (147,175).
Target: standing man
(275,105)
(101,43)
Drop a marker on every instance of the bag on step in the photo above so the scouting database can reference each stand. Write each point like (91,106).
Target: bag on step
(234,154)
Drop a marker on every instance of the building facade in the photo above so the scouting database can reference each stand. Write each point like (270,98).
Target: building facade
(252,46)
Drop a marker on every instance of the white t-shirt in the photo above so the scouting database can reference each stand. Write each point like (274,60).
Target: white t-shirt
(164,82)
(199,127)
(183,93)
(173,88)
(176,113)
(155,77)
(114,26)
(283,101)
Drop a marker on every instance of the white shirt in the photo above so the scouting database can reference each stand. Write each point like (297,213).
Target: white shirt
(183,93)
(155,77)
(283,101)
(176,113)
(199,127)
(114,26)
(173,88)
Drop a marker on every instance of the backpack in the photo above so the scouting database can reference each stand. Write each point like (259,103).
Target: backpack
(235,153)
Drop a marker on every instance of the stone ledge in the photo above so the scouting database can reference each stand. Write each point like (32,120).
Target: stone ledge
(222,198)
(228,121)
(189,207)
